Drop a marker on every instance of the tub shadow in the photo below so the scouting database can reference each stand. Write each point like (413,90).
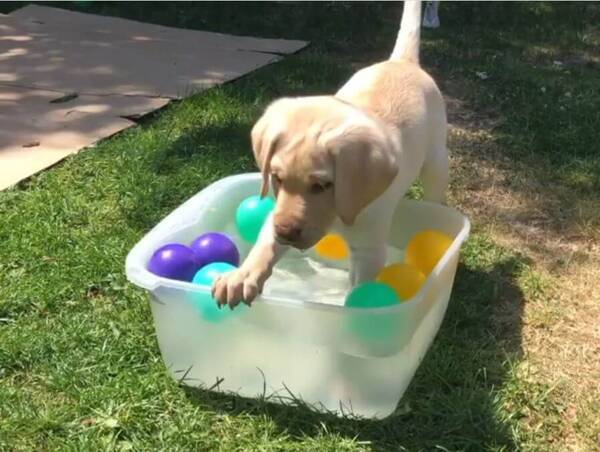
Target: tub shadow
(453,399)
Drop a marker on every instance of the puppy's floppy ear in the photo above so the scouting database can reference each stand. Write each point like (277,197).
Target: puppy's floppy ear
(365,164)
(265,136)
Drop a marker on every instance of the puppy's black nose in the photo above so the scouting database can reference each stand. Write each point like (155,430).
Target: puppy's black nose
(288,232)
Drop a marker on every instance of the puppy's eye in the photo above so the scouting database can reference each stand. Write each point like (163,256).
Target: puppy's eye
(320,187)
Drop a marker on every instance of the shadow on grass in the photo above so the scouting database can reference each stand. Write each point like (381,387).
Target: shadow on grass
(178,170)
(454,398)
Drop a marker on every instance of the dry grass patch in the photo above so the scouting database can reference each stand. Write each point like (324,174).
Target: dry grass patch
(519,206)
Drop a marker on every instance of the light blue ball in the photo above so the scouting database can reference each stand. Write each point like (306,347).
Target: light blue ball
(205,303)
(207,274)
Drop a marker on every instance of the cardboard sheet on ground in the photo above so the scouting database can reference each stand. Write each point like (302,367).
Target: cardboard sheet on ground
(116,68)
(36,133)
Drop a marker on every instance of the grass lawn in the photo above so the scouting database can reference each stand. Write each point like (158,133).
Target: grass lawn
(516,365)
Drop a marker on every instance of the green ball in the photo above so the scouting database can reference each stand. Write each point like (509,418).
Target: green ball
(372,330)
(251,215)
(372,294)
(204,302)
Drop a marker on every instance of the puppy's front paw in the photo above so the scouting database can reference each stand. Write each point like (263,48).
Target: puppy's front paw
(237,286)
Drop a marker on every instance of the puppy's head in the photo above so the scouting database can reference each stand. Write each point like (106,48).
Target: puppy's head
(324,159)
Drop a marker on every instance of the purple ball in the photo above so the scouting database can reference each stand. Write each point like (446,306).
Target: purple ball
(215,247)
(174,261)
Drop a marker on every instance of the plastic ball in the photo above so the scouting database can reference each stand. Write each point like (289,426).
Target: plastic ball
(251,215)
(215,247)
(204,302)
(405,279)
(332,246)
(372,294)
(426,248)
(174,261)
(207,274)
(372,328)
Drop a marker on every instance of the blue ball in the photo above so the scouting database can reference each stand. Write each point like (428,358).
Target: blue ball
(205,303)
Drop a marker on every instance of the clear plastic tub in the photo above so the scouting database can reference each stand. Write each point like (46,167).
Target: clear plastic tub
(289,349)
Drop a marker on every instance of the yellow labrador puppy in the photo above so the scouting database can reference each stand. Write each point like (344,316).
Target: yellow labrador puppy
(343,162)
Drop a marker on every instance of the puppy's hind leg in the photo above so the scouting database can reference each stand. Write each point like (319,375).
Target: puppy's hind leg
(435,175)
(366,262)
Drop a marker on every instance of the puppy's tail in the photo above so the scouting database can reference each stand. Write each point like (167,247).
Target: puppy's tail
(409,36)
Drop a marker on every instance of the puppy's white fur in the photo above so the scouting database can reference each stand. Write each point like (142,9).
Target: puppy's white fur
(392,107)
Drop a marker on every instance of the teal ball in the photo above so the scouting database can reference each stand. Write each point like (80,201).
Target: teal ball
(204,302)
(372,294)
(373,329)
(250,216)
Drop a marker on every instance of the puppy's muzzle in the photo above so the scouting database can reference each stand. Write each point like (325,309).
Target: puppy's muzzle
(287,233)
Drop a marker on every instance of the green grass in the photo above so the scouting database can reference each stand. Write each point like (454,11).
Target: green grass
(79,364)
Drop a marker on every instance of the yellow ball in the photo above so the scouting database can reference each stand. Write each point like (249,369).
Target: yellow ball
(333,247)
(405,279)
(426,248)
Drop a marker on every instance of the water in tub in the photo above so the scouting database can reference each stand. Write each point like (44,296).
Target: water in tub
(303,276)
